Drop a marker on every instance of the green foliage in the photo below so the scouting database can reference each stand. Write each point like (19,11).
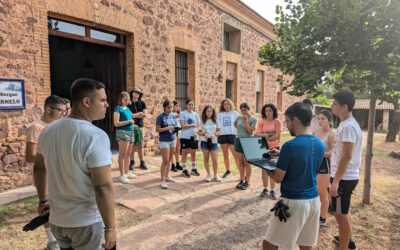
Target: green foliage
(322,100)
(346,44)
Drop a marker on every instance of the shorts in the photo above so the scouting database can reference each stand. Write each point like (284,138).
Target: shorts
(325,167)
(226,139)
(238,146)
(341,203)
(188,143)
(125,135)
(212,147)
(79,238)
(141,142)
(168,144)
(300,228)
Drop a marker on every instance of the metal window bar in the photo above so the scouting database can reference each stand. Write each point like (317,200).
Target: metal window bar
(181,77)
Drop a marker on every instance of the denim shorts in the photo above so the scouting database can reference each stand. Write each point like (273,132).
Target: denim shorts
(125,135)
(212,147)
(168,144)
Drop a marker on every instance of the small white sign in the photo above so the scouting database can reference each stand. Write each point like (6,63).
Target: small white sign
(12,94)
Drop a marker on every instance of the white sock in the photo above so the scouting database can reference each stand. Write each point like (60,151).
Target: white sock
(184,166)
(49,234)
(193,165)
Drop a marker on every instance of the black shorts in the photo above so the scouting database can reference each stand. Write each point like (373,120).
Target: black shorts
(226,139)
(325,167)
(341,203)
(188,143)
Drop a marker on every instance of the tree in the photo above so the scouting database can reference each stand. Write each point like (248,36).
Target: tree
(347,44)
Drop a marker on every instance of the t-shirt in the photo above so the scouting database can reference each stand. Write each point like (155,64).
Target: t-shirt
(209,127)
(241,127)
(34,131)
(348,131)
(137,107)
(71,147)
(273,127)
(301,158)
(189,118)
(124,115)
(226,120)
(164,120)
(176,116)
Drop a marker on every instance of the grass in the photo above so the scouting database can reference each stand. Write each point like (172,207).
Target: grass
(14,209)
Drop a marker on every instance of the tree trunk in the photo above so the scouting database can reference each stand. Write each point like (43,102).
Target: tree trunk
(368,154)
(395,125)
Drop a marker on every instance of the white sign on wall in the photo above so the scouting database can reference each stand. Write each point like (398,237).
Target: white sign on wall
(12,94)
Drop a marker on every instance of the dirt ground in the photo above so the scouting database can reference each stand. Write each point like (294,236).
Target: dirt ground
(375,226)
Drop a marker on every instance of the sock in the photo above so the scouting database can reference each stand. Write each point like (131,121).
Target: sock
(184,166)
(49,234)
(193,165)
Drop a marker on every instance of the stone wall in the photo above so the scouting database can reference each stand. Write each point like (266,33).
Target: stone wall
(154,30)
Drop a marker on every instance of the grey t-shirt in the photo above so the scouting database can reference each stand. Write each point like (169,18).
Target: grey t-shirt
(241,127)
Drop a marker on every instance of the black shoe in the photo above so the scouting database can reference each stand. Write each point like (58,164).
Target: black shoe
(322,221)
(186,173)
(178,167)
(143,165)
(195,172)
(272,193)
(227,173)
(245,186)
(131,165)
(352,245)
(173,168)
(264,193)
(239,186)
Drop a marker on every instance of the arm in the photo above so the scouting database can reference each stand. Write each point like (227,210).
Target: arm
(278,130)
(30,152)
(183,125)
(347,150)
(40,176)
(249,128)
(104,190)
(118,123)
(331,140)
(277,175)
(159,129)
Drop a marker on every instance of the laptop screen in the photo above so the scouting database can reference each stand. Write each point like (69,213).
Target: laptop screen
(254,147)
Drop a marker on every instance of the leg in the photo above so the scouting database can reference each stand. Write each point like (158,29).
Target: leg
(345,231)
(123,148)
(234,153)
(127,158)
(247,171)
(272,184)
(241,165)
(214,158)
(225,152)
(178,146)
(184,156)
(268,246)
(171,155)
(264,178)
(206,154)
(322,184)
(305,248)
(165,153)
(193,157)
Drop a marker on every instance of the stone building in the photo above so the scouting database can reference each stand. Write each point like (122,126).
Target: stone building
(201,49)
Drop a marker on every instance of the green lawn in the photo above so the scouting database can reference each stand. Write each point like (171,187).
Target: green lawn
(285,136)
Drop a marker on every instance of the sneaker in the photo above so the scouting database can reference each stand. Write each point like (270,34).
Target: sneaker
(352,245)
(131,175)
(173,168)
(186,173)
(245,186)
(143,165)
(123,179)
(52,245)
(195,172)
(264,193)
(132,165)
(169,179)
(163,185)
(227,174)
(178,167)
(272,193)
(208,178)
(217,178)
(239,185)
(322,221)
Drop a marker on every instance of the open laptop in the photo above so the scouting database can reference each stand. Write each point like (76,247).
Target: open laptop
(254,148)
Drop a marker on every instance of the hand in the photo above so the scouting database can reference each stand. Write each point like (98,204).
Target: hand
(43,208)
(139,115)
(274,152)
(136,126)
(110,239)
(171,128)
(212,137)
(131,121)
(333,190)
(245,118)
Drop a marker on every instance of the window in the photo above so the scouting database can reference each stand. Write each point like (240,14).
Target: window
(67,27)
(229,89)
(259,87)
(105,36)
(181,77)
(231,39)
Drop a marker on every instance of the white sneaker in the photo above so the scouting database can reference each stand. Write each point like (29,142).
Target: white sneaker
(163,185)
(124,179)
(217,178)
(52,245)
(169,179)
(131,175)
(208,178)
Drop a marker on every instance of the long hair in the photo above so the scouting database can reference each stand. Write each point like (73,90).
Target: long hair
(328,116)
(222,108)
(204,114)
(122,95)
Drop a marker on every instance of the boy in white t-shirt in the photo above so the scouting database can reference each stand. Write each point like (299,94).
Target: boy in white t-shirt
(345,165)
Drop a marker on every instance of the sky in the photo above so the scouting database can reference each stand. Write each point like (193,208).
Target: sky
(266,8)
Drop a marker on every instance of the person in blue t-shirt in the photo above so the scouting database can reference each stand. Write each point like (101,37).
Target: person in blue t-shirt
(165,126)
(296,170)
